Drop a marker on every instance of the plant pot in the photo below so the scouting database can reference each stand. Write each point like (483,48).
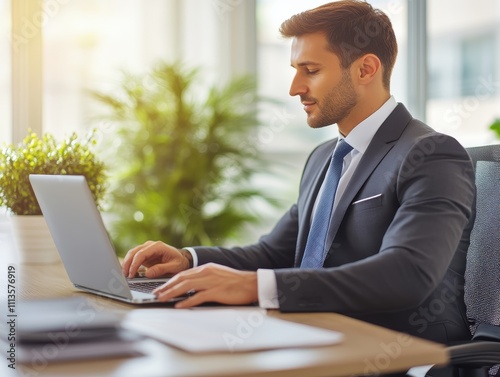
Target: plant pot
(33,241)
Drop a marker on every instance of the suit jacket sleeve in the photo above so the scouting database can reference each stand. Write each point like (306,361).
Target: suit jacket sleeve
(274,250)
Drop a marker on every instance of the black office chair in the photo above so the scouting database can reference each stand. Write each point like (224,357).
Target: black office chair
(481,356)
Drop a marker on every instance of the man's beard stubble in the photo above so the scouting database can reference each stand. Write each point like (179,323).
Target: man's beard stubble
(336,105)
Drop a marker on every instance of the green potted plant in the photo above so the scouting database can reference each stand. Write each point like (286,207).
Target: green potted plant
(183,156)
(42,155)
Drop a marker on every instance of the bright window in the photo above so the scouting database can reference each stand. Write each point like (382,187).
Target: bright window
(87,45)
(464,68)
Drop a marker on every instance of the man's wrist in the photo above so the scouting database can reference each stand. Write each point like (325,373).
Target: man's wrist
(189,257)
(194,256)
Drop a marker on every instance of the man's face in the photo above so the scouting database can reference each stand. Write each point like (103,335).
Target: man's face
(325,89)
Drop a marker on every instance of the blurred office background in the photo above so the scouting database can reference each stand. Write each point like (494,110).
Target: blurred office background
(447,72)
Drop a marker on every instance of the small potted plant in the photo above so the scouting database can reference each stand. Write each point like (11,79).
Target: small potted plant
(42,155)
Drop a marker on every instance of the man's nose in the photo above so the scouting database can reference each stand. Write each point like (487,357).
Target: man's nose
(297,87)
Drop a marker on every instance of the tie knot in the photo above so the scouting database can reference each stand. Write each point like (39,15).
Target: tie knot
(342,149)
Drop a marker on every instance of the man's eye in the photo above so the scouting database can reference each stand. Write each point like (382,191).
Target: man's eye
(311,71)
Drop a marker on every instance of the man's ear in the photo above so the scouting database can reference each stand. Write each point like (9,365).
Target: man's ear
(367,68)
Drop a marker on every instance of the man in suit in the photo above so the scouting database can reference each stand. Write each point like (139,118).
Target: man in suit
(392,250)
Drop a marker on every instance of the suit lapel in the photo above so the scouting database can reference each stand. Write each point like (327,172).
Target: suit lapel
(389,132)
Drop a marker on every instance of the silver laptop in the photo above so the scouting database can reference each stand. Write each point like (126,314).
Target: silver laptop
(82,241)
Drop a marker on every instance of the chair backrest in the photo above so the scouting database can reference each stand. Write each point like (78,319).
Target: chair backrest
(482,275)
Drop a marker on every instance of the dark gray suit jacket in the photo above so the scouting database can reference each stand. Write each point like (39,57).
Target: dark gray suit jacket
(396,259)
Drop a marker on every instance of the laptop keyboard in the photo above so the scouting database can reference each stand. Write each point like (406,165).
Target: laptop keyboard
(146,286)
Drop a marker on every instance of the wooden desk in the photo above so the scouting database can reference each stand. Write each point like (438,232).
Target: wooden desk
(367,349)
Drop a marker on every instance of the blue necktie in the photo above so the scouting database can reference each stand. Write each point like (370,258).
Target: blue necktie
(315,246)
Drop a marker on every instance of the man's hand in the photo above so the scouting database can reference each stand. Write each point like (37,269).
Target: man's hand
(211,283)
(159,258)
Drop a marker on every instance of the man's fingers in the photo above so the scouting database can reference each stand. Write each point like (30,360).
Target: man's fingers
(179,285)
(129,258)
(164,294)
(196,277)
(160,259)
(145,252)
(158,270)
(135,263)
(195,300)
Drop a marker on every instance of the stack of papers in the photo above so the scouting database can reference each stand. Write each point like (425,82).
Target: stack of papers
(206,330)
(66,329)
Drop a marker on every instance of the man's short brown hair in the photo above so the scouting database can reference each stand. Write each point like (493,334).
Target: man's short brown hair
(353,28)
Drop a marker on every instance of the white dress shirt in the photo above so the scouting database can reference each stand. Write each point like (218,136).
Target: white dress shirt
(359,138)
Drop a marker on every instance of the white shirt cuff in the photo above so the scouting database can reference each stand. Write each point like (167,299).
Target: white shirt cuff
(267,289)
(193,254)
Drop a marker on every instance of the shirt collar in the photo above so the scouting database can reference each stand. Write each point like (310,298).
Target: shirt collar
(361,135)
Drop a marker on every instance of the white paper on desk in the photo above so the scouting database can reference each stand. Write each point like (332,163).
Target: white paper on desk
(225,330)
